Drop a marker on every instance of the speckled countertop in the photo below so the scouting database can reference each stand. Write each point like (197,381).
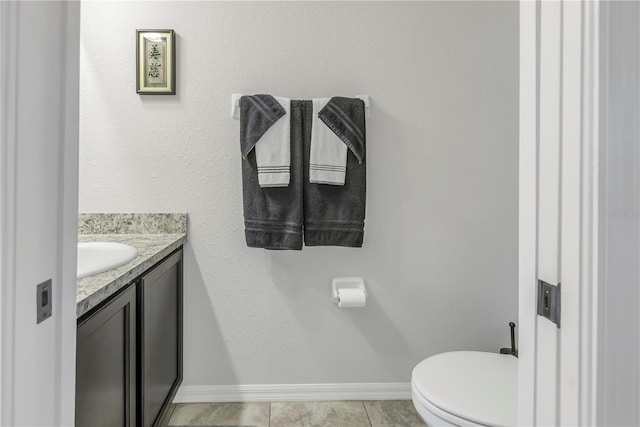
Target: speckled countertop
(152,247)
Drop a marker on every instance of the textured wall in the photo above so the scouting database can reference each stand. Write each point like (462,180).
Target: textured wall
(440,254)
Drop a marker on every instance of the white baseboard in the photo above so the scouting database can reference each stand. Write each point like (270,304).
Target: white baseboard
(293,392)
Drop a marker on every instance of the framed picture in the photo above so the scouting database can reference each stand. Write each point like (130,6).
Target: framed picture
(155,62)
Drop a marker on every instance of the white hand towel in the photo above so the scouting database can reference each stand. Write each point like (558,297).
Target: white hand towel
(273,150)
(328,153)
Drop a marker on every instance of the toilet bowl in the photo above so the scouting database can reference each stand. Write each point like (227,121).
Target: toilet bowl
(466,388)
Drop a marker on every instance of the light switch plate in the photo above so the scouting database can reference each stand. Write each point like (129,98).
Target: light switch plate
(43,301)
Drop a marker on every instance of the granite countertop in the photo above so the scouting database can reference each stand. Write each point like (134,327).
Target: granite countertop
(152,247)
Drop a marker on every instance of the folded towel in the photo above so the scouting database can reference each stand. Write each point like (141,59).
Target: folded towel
(345,116)
(273,215)
(265,125)
(334,215)
(328,156)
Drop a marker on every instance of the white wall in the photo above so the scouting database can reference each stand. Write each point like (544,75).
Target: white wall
(440,253)
(38,209)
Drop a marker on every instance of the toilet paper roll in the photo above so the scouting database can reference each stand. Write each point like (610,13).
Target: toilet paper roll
(351,298)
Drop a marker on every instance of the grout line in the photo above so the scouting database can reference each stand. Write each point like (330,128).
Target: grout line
(367,412)
(269,425)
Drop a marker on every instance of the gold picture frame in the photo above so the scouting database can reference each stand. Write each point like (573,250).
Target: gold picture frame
(155,62)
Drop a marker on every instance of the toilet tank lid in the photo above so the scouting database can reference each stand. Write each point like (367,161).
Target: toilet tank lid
(478,386)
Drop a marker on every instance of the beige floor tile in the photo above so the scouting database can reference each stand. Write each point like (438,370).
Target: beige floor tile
(319,414)
(221,414)
(393,413)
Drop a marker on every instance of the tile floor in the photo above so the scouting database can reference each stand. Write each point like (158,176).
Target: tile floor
(376,413)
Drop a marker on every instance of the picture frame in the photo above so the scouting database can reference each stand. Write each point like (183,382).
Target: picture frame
(155,62)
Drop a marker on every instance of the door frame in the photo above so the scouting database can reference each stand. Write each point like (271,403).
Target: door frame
(527,212)
(581,201)
(588,183)
(51,344)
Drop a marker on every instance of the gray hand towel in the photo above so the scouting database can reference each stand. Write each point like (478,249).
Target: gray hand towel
(345,117)
(257,114)
(334,215)
(272,215)
(265,127)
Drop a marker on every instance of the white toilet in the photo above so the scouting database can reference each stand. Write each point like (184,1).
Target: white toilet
(467,388)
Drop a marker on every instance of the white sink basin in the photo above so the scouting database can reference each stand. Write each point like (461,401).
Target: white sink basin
(98,257)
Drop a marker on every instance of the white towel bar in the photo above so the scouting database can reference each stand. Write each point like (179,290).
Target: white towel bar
(235,105)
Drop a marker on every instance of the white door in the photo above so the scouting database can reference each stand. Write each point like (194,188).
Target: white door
(39,51)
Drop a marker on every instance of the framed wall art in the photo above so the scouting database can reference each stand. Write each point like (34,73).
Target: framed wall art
(155,62)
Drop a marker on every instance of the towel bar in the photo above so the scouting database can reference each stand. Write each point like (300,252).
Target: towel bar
(235,105)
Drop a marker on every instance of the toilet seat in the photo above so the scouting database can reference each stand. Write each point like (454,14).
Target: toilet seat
(468,388)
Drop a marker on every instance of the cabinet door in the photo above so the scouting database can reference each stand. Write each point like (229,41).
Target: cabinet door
(106,364)
(160,329)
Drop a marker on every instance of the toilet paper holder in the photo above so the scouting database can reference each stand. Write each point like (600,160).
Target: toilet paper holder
(338,283)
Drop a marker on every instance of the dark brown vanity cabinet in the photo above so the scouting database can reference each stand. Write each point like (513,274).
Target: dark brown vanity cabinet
(106,364)
(160,331)
(129,351)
